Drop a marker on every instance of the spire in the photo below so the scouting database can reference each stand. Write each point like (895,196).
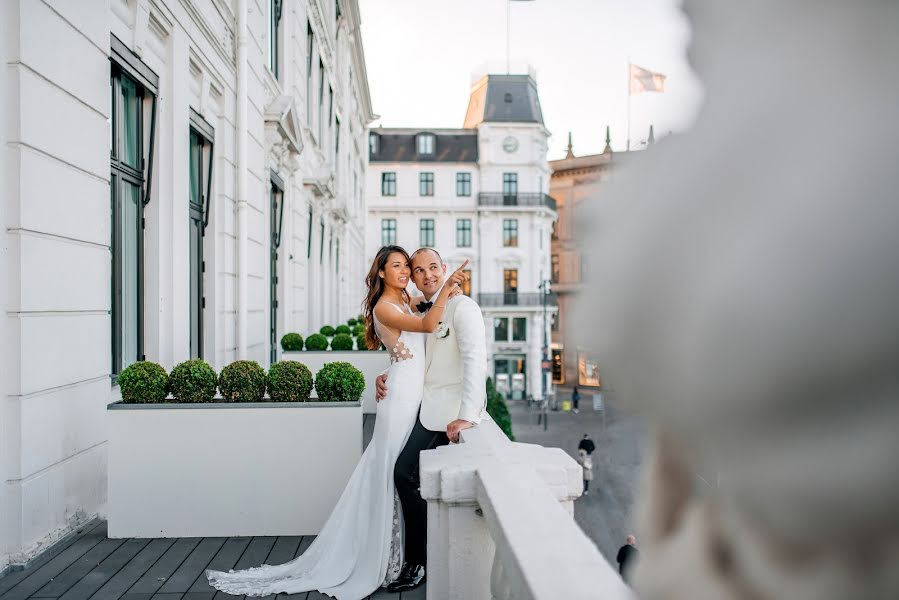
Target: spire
(608,148)
(570,153)
(652,137)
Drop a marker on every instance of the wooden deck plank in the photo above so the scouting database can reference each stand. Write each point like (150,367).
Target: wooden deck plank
(61,583)
(256,553)
(13,578)
(29,581)
(166,596)
(198,595)
(224,559)
(122,581)
(195,564)
(157,575)
(419,593)
(284,550)
(106,570)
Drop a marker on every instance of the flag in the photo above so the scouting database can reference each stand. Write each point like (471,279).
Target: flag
(644,80)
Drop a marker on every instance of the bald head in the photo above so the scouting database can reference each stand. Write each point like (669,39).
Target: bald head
(632,540)
(428,271)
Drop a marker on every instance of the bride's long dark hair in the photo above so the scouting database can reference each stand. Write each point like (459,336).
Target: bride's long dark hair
(375,290)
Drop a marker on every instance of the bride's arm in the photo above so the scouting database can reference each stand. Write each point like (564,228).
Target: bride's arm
(428,323)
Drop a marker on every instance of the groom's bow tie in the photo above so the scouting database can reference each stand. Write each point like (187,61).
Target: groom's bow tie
(424,306)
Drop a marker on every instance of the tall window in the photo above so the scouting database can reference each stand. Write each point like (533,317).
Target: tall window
(276,221)
(374,144)
(463,184)
(510,286)
(555,268)
(426,184)
(463,233)
(336,140)
(510,232)
(519,329)
(337,256)
(388,184)
(321,102)
(466,285)
(388,232)
(510,186)
(330,111)
(426,232)
(310,46)
(425,144)
(501,329)
(274,36)
(200,170)
(132,86)
(309,236)
(321,243)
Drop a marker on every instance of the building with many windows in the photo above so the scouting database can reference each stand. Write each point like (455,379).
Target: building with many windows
(180,180)
(478,193)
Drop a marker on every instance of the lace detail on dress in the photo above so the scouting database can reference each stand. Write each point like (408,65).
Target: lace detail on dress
(396,349)
(395,563)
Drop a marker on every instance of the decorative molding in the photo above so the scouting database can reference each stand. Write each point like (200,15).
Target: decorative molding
(221,38)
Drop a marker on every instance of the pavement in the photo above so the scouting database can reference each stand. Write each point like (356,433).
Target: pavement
(606,513)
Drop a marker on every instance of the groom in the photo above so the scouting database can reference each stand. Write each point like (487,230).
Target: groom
(454,398)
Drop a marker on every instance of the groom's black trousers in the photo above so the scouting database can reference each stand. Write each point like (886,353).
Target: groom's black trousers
(405,475)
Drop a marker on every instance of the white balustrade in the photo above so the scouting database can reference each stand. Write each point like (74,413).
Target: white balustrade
(501,526)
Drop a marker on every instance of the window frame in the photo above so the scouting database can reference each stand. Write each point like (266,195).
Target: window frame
(426,233)
(463,233)
(388,226)
(276,228)
(510,233)
(204,133)
(374,144)
(426,184)
(510,187)
(504,321)
(426,144)
(513,329)
(274,30)
(125,64)
(463,184)
(388,183)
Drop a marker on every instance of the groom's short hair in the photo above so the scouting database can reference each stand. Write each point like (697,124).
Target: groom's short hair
(426,249)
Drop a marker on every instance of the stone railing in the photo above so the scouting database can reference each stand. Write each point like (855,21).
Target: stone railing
(501,526)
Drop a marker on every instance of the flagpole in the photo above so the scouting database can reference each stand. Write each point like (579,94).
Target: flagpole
(628,104)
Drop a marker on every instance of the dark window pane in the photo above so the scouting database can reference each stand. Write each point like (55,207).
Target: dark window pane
(130,271)
(130,125)
(426,232)
(519,329)
(510,232)
(501,329)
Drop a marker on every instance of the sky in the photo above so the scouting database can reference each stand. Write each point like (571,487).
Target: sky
(421,56)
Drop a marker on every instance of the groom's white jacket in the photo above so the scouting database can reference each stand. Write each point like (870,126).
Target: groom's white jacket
(455,367)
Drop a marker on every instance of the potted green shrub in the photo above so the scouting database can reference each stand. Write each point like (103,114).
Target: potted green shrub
(339,382)
(327,330)
(361,344)
(292,342)
(342,342)
(359,329)
(144,382)
(289,381)
(193,381)
(342,329)
(242,381)
(316,342)
(352,322)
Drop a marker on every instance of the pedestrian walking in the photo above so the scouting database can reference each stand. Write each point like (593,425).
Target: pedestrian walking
(628,555)
(587,444)
(586,462)
(575,398)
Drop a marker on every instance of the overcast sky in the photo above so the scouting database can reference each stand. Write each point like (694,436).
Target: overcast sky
(422,54)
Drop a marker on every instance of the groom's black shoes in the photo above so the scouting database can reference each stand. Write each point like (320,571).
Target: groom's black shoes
(411,576)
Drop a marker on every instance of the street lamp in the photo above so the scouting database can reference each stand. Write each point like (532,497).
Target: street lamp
(544,363)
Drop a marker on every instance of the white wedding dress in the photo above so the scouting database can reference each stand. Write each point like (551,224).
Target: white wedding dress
(359,549)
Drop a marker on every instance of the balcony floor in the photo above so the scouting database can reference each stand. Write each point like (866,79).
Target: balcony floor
(88,565)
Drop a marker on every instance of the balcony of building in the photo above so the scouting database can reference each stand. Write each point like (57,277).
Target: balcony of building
(526,200)
(517,299)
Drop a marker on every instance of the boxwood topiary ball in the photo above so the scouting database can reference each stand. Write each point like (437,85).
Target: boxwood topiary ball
(193,381)
(352,322)
(359,329)
(242,381)
(360,343)
(292,342)
(143,382)
(342,341)
(316,342)
(339,382)
(342,329)
(289,381)
(327,330)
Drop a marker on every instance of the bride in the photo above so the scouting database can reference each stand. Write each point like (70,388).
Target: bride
(360,548)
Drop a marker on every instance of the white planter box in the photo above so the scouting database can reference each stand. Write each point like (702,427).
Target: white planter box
(371,363)
(224,470)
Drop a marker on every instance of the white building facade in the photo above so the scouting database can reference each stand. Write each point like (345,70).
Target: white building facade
(478,193)
(179,180)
